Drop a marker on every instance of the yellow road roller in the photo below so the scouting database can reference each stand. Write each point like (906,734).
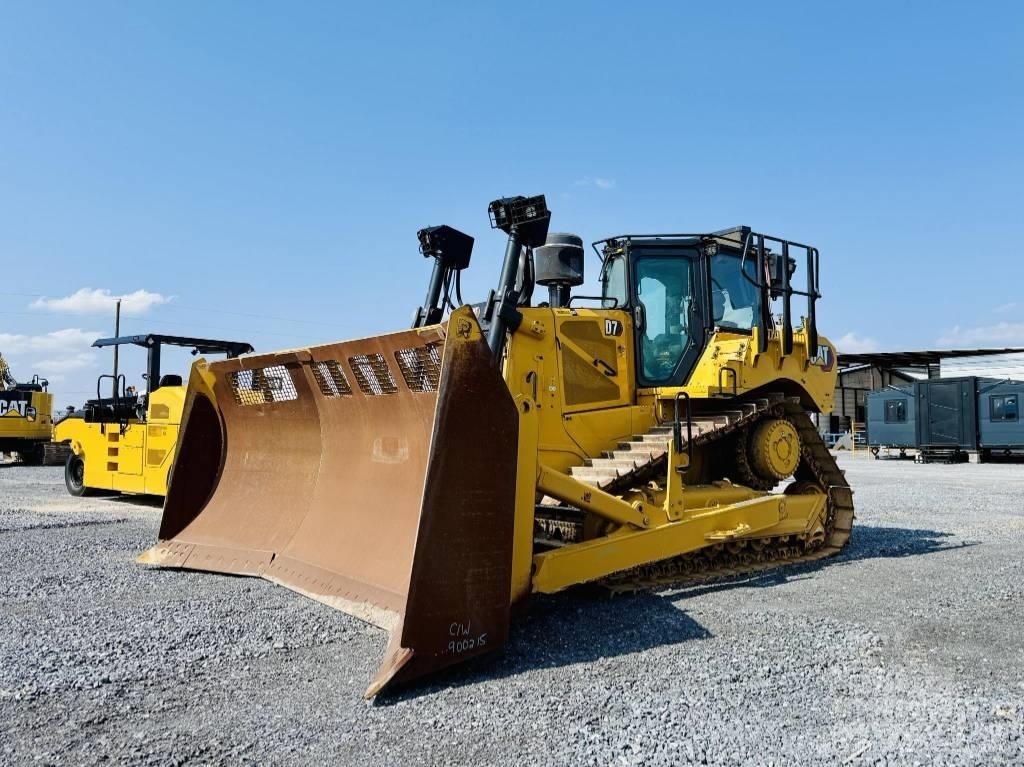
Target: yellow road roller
(125,442)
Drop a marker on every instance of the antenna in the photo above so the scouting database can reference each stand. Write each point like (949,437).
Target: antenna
(117,332)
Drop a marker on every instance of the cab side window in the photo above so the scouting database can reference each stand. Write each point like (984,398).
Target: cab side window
(613,286)
(735,300)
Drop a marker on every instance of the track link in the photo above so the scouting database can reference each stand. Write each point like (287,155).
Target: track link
(44,454)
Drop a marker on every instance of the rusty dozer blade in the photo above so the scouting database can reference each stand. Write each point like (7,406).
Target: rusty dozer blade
(377,476)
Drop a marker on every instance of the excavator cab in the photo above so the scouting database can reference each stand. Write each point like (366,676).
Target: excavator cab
(26,419)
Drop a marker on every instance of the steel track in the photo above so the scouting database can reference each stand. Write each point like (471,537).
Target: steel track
(725,560)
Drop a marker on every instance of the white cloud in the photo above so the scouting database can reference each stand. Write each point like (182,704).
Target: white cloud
(852,343)
(68,339)
(1000,334)
(50,368)
(55,356)
(596,181)
(1006,308)
(101,301)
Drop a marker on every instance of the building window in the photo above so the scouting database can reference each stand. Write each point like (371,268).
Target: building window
(895,411)
(1003,407)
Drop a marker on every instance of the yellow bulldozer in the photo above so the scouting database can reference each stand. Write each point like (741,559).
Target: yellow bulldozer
(26,420)
(430,480)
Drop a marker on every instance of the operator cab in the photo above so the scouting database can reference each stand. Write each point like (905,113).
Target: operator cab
(681,289)
(37,384)
(124,404)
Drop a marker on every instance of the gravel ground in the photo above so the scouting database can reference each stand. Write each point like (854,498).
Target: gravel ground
(904,650)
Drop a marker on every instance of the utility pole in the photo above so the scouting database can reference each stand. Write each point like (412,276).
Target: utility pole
(117,332)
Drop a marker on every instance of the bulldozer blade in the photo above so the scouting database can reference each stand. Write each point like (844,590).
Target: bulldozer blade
(377,476)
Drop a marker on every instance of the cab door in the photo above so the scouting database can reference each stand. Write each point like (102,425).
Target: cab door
(670,323)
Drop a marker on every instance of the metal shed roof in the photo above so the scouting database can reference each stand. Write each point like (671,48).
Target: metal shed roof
(917,358)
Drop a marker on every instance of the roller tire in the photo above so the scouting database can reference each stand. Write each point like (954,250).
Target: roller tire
(74,477)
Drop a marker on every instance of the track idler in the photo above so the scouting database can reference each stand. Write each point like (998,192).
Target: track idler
(766,453)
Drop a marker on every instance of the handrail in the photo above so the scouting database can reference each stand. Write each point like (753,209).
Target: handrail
(677,427)
(122,424)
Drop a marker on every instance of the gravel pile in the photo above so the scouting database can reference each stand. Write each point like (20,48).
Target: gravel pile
(907,649)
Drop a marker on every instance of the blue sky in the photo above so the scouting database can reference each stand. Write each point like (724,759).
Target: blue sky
(265,166)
